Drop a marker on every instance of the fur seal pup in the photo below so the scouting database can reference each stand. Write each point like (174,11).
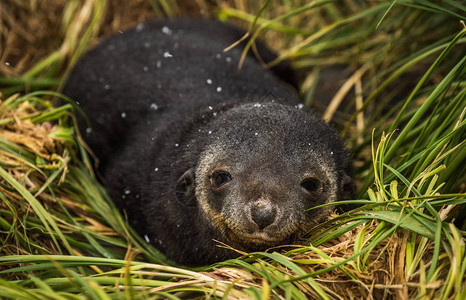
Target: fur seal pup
(196,151)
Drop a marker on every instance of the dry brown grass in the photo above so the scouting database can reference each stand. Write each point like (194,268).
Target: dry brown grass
(31,30)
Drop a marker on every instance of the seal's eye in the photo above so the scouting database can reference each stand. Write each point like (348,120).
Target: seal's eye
(311,184)
(220,178)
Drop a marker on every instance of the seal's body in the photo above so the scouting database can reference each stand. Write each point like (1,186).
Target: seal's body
(196,151)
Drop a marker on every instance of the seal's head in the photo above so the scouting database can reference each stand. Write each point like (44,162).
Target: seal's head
(264,167)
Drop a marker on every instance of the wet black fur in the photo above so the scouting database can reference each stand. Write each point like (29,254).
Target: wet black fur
(151,108)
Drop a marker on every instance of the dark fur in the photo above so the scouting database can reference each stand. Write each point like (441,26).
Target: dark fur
(151,158)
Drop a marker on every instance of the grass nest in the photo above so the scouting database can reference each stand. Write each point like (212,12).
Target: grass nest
(401,102)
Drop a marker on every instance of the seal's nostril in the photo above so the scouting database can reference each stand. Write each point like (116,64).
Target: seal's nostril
(263,216)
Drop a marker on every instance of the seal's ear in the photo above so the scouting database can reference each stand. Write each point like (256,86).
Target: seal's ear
(348,187)
(185,188)
(347,192)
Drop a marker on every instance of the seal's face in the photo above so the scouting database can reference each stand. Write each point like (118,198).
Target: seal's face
(256,182)
(264,201)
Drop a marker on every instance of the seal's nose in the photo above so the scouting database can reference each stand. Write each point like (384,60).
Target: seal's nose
(263,215)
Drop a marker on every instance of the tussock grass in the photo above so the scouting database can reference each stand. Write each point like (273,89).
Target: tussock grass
(398,93)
